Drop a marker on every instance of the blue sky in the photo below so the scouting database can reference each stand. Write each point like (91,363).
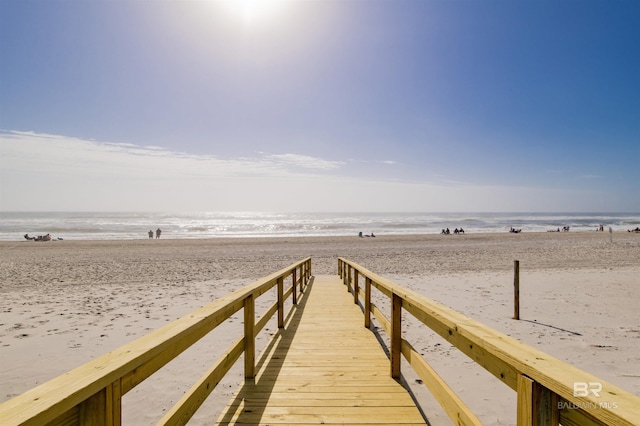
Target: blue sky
(337,105)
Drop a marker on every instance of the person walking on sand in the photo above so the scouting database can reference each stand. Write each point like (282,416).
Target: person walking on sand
(150,234)
(158,232)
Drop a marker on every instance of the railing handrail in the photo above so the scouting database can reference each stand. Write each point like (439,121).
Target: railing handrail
(115,373)
(517,364)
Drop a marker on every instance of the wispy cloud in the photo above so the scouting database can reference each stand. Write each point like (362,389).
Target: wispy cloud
(61,170)
(51,172)
(304,161)
(34,151)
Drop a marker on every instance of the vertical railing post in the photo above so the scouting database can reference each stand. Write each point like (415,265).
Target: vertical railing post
(302,277)
(547,409)
(280,285)
(93,410)
(367,302)
(356,287)
(344,273)
(114,404)
(103,408)
(249,339)
(305,272)
(537,405)
(294,285)
(524,388)
(396,335)
(349,277)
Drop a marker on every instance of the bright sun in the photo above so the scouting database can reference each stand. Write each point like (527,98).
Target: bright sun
(253,12)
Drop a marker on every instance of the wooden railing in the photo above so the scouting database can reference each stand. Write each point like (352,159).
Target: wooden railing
(549,391)
(91,394)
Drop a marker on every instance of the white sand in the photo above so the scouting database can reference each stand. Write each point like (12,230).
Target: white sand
(66,302)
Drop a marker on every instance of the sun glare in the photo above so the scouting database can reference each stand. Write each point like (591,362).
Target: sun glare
(253,12)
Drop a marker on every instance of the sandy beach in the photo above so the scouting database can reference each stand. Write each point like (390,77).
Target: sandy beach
(66,302)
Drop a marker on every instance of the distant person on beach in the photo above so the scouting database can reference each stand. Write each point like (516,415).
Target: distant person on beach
(38,238)
(158,232)
(150,234)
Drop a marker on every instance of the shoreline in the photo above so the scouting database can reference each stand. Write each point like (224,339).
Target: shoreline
(66,302)
(135,225)
(167,236)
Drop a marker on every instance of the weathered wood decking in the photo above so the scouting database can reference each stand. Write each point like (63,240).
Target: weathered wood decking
(324,367)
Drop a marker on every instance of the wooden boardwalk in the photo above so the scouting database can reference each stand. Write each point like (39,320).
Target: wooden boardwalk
(325,367)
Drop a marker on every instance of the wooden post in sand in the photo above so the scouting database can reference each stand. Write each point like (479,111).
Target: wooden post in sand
(516,289)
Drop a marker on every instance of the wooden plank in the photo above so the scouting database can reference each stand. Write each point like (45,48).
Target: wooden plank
(572,417)
(525,401)
(249,337)
(335,400)
(506,358)
(457,410)
(321,415)
(318,389)
(367,302)
(294,287)
(280,303)
(93,411)
(184,409)
(130,364)
(396,336)
(327,368)
(114,404)
(356,286)
(536,404)
(307,424)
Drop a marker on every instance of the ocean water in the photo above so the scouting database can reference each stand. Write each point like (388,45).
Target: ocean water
(132,225)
